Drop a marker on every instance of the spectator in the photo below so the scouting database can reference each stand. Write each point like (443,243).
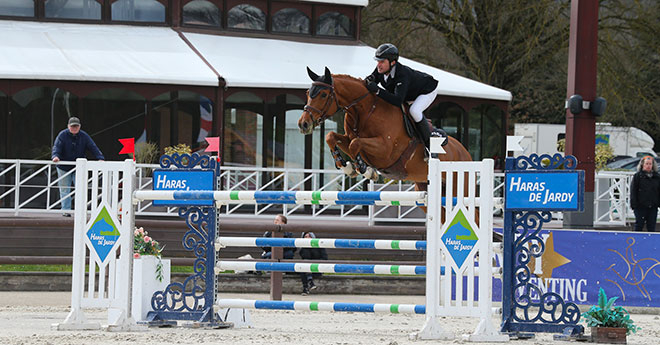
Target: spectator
(310,254)
(280,219)
(71,143)
(645,194)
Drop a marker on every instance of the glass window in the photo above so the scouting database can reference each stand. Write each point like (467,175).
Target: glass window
(449,117)
(202,12)
(243,130)
(138,11)
(73,9)
(246,17)
(38,114)
(179,117)
(17,8)
(291,20)
(475,134)
(493,124)
(113,113)
(334,24)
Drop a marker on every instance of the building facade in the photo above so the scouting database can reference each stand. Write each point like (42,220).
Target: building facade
(176,71)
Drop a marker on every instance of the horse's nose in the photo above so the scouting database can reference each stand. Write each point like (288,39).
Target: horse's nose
(304,126)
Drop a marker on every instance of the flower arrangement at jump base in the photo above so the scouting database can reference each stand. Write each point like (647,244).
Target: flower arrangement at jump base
(143,244)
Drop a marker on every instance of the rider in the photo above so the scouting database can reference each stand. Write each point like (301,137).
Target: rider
(403,84)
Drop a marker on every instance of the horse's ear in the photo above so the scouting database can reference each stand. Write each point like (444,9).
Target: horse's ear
(327,77)
(312,75)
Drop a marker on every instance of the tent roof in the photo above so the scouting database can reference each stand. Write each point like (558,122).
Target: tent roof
(135,54)
(255,62)
(115,53)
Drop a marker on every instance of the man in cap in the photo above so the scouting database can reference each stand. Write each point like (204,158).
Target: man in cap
(71,143)
(404,84)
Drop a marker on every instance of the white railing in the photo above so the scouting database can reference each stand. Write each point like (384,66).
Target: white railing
(612,198)
(33,183)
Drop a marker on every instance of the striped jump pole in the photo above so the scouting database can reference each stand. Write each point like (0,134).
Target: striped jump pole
(223,242)
(319,268)
(381,198)
(331,268)
(323,306)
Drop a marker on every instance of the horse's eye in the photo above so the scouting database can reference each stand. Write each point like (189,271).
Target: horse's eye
(323,95)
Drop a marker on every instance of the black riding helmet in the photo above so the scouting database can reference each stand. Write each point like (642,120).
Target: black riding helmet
(387,51)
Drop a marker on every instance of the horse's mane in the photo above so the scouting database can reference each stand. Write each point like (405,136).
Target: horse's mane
(350,78)
(347,76)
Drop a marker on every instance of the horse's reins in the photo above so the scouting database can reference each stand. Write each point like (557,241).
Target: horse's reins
(324,114)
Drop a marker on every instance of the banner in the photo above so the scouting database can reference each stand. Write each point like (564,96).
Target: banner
(576,263)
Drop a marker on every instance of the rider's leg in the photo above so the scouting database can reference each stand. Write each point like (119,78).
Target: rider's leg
(417,112)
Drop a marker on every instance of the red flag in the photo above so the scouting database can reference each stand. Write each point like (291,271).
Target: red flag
(214,144)
(129,146)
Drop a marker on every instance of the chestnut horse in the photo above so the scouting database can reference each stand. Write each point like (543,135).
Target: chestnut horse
(375,136)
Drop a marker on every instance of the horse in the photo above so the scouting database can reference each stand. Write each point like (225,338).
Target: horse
(375,138)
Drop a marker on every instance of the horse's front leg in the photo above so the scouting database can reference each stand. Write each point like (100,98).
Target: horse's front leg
(373,147)
(338,142)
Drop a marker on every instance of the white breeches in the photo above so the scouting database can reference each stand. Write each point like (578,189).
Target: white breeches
(420,104)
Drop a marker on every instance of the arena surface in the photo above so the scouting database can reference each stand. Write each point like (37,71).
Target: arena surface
(26,318)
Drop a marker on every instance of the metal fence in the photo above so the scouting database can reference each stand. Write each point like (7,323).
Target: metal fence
(31,186)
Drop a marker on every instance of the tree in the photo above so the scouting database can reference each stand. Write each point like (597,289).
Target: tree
(510,44)
(629,64)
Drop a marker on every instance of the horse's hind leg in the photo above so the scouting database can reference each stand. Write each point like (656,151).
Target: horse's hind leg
(338,142)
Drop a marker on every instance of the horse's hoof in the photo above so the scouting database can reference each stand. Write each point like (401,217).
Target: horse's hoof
(349,170)
(371,174)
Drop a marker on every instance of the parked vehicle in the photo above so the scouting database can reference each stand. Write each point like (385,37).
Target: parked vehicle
(542,138)
(629,164)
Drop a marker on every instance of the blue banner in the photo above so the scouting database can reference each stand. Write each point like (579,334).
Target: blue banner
(536,190)
(184,180)
(576,263)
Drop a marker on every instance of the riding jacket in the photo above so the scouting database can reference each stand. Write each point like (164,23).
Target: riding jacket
(69,147)
(405,86)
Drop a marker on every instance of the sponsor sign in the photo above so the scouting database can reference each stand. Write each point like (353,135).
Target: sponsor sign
(459,238)
(183,180)
(103,233)
(576,263)
(544,191)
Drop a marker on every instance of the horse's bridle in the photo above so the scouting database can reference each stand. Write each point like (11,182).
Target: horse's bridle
(324,113)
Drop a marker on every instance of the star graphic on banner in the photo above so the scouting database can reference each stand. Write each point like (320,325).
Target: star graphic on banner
(550,259)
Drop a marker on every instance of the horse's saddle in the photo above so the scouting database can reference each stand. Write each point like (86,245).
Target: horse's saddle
(408,122)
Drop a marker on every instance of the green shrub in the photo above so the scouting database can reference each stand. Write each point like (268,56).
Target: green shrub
(606,315)
(146,152)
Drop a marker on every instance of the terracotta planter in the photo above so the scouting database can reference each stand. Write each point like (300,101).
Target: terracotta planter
(609,335)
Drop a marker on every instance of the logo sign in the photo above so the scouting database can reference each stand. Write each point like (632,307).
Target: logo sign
(103,233)
(545,190)
(459,238)
(184,180)
(602,139)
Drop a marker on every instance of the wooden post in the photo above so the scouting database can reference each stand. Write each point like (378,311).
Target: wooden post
(276,277)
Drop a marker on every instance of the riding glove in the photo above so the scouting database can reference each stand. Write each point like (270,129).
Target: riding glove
(372,87)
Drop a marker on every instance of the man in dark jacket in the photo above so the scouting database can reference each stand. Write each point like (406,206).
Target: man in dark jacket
(310,254)
(645,194)
(287,252)
(403,84)
(71,143)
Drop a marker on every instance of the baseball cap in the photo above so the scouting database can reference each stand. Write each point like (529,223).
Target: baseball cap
(74,121)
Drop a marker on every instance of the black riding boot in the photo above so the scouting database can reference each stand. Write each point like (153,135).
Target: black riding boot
(424,132)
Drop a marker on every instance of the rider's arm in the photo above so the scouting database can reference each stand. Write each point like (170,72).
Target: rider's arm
(398,96)
(373,77)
